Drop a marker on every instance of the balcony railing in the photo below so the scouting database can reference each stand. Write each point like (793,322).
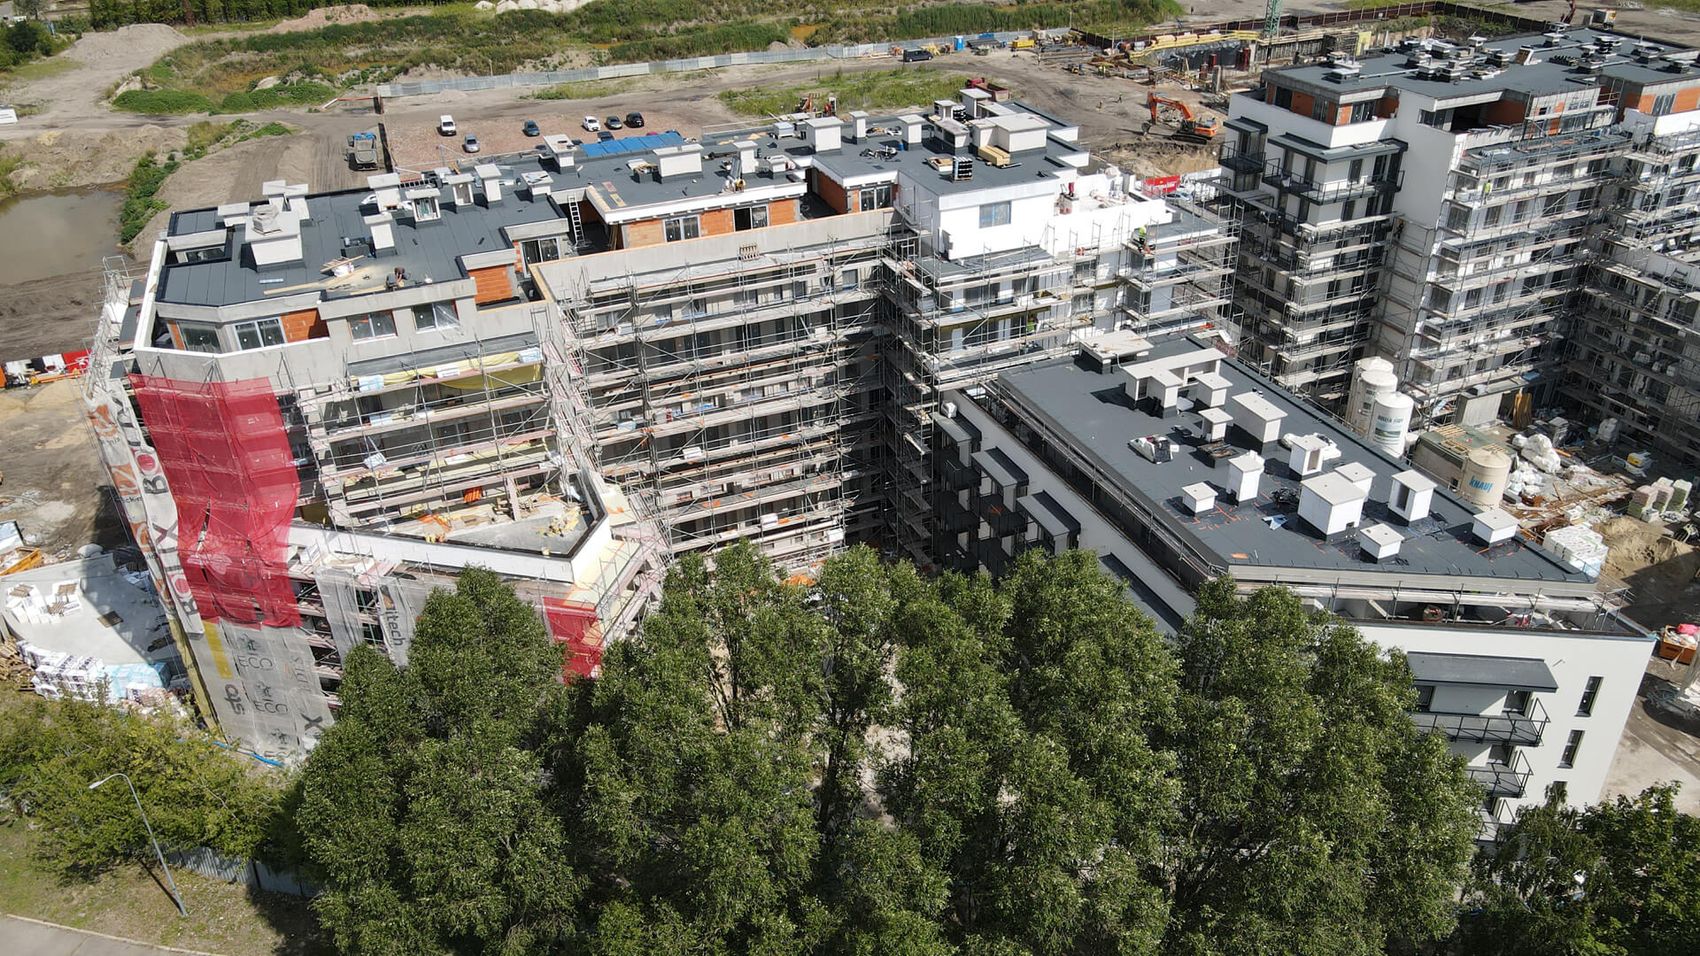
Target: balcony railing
(1503,779)
(1524,730)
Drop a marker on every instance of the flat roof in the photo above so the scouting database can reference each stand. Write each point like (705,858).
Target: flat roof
(1093,411)
(1551,69)
(117,619)
(1517,673)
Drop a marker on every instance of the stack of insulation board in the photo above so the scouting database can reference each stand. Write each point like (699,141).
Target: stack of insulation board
(58,676)
(1579,546)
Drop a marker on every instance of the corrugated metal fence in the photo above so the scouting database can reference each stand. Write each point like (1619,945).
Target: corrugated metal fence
(247,872)
(687,65)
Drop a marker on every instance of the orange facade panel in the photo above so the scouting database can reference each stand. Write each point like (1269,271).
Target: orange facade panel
(303,325)
(493,284)
(782,212)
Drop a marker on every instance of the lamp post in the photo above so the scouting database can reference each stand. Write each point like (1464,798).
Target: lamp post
(176,897)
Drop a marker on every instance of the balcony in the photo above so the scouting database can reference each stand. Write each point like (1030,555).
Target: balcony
(1524,730)
(1503,779)
(1330,192)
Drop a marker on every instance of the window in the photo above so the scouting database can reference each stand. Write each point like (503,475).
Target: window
(1585,708)
(1662,105)
(541,250)
(199,338)
(1517,702)
(435,315)
(684,227)
(1568,758)
(851,279)
(373,325)
(1363,112)
(1501,754)
(1425,698)
(755,217)
(427,209)
(1283,97)
(258,334)
(1323,110)
(876,197)
(994,214)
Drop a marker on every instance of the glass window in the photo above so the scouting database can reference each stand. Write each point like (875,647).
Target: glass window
(435,315)
(1363,112)
(541,250)
(876,197)
(754,217)
(1586,707)
(1425,698)
(259,334)
(1517,702)
(994,214)
(684,227)
(199,338)
(852,279)
(373,325)
(1568,758)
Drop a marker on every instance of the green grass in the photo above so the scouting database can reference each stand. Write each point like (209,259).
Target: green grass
(866,90)
(40,69)
(171,102)
(268,129)
(10,163)
(140,202)
(582,90)
(223,918)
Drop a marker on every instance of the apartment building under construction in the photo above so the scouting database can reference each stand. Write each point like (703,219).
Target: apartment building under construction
(571,365)
(1493,188)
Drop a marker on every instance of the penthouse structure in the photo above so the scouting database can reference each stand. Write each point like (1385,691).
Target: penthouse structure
(1444,206)
(571,365)
(1177,464)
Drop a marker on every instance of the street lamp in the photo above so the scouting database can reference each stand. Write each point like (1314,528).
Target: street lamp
(176,897)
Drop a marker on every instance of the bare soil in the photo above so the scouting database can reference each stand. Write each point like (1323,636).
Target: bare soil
(325,16)
(52,485)
(77,98)
(1658,570)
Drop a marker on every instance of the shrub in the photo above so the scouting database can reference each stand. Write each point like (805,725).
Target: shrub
(162,102)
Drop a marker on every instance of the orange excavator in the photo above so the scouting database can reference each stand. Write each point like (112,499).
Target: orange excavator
(1189,126)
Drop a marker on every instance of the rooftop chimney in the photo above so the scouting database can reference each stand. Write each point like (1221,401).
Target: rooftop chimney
(1257,417)
(1358,474)
(746,157)
(490,178)
(944,109)
(911,128)
(1330,503)
(1306,456)
(1245,471)
(1380,541)
(825,133)
(462,191)
(1409,499)
(1199,496)
(383,233)
(858,125)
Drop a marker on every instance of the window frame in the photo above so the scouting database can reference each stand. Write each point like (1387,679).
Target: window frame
(1567,757)
(674,228)
(258,327)
(372,322)
(1590,696)
(744,218)
(435,321)
(994,214)
(184,331)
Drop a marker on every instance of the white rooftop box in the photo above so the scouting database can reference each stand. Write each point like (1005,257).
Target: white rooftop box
(1493,526)
(1199,497)
(1358,474)
(1307,454)
(1245,471)
(1331,503)
(1216,424)
(1257,416)
(1379,541)
(1411,495)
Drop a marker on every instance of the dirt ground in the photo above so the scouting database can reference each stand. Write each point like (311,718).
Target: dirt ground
(52,485)
(1657,569)
(1660,743)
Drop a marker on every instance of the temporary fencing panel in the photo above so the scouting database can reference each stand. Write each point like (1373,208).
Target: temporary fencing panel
(575,626)
(227,458)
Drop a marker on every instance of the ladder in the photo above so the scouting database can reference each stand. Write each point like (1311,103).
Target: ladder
(577,223)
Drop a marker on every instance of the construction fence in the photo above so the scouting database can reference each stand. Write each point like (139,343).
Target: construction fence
(687,65)
(250,873)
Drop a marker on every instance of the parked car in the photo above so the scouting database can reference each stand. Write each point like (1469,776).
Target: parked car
(531,128)
(613,122)
(446,125)
(634,120)
(591,125)
(916,56)
(603,136)
(471,144)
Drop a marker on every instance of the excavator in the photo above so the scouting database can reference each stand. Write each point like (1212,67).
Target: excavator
(1190,126)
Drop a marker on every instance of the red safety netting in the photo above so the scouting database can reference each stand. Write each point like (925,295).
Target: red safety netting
(233,478)
(577,627)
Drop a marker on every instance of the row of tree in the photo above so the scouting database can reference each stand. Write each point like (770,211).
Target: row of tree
(883,763)
(880,763)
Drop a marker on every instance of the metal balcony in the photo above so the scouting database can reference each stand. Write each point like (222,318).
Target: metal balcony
(1503,779)
(1524,730)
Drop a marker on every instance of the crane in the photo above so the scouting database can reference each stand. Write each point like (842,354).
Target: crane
(1190,126)
(1272,19)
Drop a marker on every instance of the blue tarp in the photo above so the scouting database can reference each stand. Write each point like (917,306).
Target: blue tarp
(632,144)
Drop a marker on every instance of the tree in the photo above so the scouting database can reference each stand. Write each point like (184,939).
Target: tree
(1621,877)
(425,808)
(196,793)
(27,8)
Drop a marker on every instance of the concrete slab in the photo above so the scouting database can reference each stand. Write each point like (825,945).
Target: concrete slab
(1657,745)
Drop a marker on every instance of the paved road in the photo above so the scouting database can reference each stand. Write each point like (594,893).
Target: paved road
(39,939)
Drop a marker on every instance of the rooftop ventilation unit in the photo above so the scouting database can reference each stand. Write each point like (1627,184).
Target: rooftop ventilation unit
(1330,503)
(1380,541)
(1493,526)
(1411,495)
(1245,471)
(1199,497)
(1155,448)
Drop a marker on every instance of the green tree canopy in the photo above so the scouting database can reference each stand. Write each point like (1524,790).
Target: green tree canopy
(882,763)
(1621,878)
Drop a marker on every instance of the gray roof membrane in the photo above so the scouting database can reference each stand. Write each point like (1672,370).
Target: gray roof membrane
(1517,673)
(1094,411)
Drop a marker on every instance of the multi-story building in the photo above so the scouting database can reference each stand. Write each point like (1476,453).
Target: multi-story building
(569,365)
(1177,464)
(1442,206)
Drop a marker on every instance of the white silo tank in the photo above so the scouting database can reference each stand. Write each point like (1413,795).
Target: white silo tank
(1483,478)
(1371,379)
(1390,422)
